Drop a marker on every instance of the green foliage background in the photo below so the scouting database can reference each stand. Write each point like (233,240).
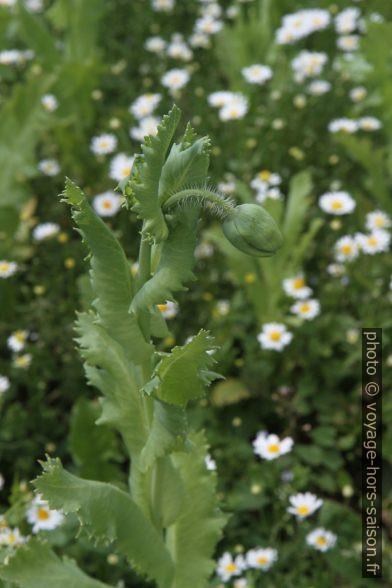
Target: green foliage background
(90,54)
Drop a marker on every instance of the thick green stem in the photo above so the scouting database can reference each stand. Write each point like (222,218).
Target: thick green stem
(212,201)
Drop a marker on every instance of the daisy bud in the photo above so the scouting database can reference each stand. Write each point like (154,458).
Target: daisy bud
(251,229)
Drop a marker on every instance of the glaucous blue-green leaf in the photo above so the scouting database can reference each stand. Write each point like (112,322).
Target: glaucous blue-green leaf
(168,428)
(109,370)
(146,172)
(110,277)
(182,374)
(191,540)
(35,565)
(108,515)
(174,267)
(186,165)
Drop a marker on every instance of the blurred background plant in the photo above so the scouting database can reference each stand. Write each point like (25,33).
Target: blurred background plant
(307,133)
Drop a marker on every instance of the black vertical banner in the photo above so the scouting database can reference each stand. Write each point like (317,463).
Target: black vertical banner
(371,453)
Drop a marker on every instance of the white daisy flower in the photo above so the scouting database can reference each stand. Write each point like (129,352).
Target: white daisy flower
(228,567)
(348,42)
(337,203)
(199,41)
(357,94)
(270,446)
(240,582)
(4,384)
(8,2)
(306,309)
(369,123)
(375,242)
(220,99)
(49,167)
(319,87)
(163,5)
(321,539)
(204,250)
(208,26)
(103,144)
(17,340)
(304,505)
(301,24)
(155,45)
(274,336)
(227,187)
(308,64)
(34,5)
(178,49)
(148,126)
(121,167)
(22,361)
(257,73)
(347,21)
(210,463)
(107,204)
(45,231)
(7,268)
(261,558)
(169,309)
(49,102)
(144,105)
(346,249)
(377,220)
(346,125)
(11,537)
(235,109)
(175,79)
(42,517)
(296,287)
(223,307)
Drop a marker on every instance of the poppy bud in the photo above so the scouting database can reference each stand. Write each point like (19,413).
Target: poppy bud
(251,229)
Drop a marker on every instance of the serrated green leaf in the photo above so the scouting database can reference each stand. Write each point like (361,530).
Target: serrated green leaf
(146,172)
(185,166)
(175,265)
(191,540)
(94,449)
(182,373)
(111,278)
(35,565)
(109,369)
(167,431)
(108,514)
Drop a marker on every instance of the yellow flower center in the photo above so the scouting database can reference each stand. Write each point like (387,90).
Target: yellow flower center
(231,568)
(20,336)
(106,204)
(346,249)
(262,560)
(250,278)
(305,307)
(265,175)
(42,514)
(379,221)
(125,172)
(273,448)
(11,538)
(303,510)
(336,204)
(298,283)
(275,335)
(321,540)
(103,144)
(162,307)
(4,266)
(372,241)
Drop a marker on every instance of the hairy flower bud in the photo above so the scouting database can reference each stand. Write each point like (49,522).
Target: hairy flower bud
(251,229)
